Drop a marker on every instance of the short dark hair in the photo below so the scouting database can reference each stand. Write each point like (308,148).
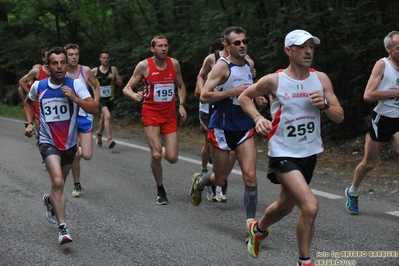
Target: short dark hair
(71,46)
(56,50)
(227,31)
(156,38)
(216,46)
(44,50)
(104,52)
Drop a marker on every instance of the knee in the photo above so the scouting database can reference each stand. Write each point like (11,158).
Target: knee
(171,159)
(156,157)
(107,116)
(309,211)
(57,182)
(86,152)
(368,166)
(250,179)
(87,155)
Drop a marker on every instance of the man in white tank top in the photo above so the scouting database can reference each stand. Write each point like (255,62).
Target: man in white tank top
(382,86)
(299,95)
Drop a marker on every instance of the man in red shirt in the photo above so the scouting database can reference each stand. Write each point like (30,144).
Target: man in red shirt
(161,75)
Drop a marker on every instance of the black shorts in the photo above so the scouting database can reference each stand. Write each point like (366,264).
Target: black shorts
(286,164)
(106,102)
(204,119)
(382,128)
(67,156)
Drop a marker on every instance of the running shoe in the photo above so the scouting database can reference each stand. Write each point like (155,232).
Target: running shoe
(221,195)
(254,244)
(210,193)
(195,193)
(44,166)
(111,143)
(99,140)
(162,200)
(63,235)
(77,191)
(304,264)
(247,237)
(50,215)
(203,171)
(351,203)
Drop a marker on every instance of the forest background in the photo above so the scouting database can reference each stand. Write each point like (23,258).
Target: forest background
(351,34)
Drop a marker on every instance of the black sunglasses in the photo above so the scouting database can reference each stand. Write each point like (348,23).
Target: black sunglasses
(238,42)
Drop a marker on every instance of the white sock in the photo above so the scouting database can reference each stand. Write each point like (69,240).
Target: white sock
(305,261)
(354,191)
(63,225)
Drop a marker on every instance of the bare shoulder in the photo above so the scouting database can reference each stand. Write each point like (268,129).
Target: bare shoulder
(141,67)
(322,76)
(270,81)
(86,69)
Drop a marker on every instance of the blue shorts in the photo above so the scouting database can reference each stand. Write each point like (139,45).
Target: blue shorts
(85,125)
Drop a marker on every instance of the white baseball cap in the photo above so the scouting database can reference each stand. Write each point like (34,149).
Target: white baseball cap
(298,37)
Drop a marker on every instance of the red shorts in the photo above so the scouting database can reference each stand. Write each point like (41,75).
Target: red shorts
(166,124)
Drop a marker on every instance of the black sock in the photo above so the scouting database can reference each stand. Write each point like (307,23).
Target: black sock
(76,184)
(258,230)
(161,190)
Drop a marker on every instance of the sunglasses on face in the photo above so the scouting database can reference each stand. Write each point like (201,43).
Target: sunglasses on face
(238,42)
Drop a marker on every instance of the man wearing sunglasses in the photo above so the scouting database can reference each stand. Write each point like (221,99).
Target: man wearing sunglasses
(261,101)
(299,96)
(230,129)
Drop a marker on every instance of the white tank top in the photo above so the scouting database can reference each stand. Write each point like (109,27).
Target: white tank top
(390,81)
(296,122)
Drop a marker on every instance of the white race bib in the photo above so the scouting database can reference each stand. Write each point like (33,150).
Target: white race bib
(56,109)
(237,84)
(105,91)
(299,130)
(164,92)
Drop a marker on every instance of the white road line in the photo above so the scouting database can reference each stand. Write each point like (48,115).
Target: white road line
(237,172)
(325,194)
(394,213)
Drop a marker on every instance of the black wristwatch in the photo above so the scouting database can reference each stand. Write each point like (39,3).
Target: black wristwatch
(183,104)
(28,123)
(326,105)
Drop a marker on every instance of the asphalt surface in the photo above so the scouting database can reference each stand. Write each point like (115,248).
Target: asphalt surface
(117,220)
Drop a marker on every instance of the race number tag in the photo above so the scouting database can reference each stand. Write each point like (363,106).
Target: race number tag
(105,91)
(56,109)
(299,130)
(392,102)
(164,92)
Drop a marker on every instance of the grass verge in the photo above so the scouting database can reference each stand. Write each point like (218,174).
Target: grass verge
(11,111)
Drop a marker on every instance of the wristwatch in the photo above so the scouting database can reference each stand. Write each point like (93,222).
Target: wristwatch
(326,105)
(28,123)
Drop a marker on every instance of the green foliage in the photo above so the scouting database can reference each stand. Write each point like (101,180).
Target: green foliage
(11,111)
(351,33)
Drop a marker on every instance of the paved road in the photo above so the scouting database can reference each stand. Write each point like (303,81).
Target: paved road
(117,221)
